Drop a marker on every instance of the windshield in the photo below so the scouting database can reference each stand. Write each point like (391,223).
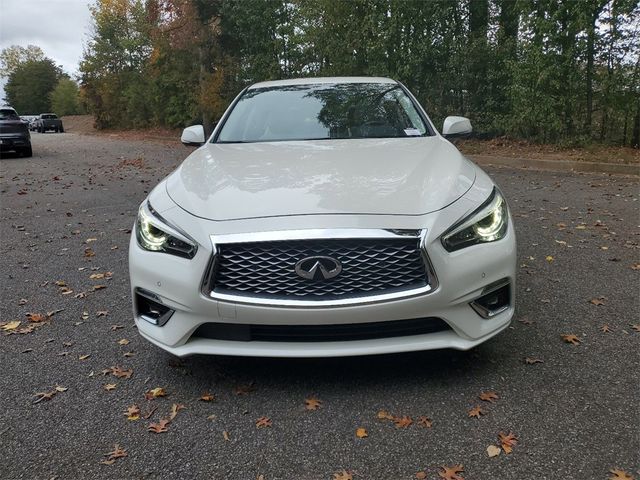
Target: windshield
(322,111)
(8,114)
(49,116)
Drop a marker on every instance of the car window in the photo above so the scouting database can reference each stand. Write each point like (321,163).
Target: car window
(322,111)
(8,114)
(49,116)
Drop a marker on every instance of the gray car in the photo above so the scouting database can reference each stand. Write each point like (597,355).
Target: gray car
(14,133)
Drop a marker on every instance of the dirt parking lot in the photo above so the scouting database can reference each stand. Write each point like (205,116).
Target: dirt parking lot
(77,379)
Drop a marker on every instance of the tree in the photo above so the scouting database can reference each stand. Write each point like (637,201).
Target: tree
(64,98)
(15,55)
(29,85)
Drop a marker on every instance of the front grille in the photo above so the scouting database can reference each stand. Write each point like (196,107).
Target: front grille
(12,128)
(369,267)
(320,333)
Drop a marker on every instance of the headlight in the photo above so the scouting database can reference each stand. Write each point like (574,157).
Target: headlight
(487,224)
(154,234)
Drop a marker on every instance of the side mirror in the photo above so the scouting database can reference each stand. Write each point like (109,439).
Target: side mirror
(193,136)
(456,127)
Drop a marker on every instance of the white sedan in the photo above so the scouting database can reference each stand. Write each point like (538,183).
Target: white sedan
(323,217)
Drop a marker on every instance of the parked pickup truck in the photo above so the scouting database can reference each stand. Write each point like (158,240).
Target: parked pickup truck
(48,121)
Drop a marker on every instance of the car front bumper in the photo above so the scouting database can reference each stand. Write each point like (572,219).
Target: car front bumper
(463,277)
(14,141)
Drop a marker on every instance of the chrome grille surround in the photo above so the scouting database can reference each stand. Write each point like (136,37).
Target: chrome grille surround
(258,268)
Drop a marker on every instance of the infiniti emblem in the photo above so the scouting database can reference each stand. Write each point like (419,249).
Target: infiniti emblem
(318,268)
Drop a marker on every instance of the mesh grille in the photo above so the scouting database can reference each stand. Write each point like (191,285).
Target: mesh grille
(369,267)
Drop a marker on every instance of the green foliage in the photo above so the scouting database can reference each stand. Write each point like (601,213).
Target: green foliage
(65,98)
(29,85)
(11,57)
(554,71)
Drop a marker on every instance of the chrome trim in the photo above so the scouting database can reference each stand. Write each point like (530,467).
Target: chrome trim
(161,320)
(314,234)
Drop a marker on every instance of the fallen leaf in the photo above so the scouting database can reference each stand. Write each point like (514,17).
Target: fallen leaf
(549,258)
(493,451)
(605,328)
(312,403)
(508,441)
(160,427)
(147,415)
(118,452)
(402,422)
(421,475)
(618,474)
(571,338)
(263,422)
(23,301)
(225,435)
(95,276)
(120,372)
(384,415)
(102,313)
(635,266)
(109,386)
(635,326)
(58,388)
(88,252)
(133,412)
(476,412)
(343,475)
(116,327)
(99,287)
(361,433)
(175,408)
(10,325)
(597,301)
(84,357)
(531,361)
(425,422)
(488,397)
(155,393)
(44,396)
(36,317)
(451,473)
(123,341)
(526,321)
(207,397)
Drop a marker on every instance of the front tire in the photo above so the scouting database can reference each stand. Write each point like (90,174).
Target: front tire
(61,129)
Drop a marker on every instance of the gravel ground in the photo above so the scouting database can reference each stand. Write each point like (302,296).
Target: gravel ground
(575,414)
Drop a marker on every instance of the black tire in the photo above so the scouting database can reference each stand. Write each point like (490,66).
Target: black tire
(61,129)
(27,151)
(40,130)
(56,130)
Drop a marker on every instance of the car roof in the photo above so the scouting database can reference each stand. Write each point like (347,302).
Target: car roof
(322,80)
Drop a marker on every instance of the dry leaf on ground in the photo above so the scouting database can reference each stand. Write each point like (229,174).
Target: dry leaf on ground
(488,397)
(425,422)
(312,403)
(118,452)
(617,474)
(508,441)
(597,301)
(155,393)
(422,475)
(451,473)
(207,397)
(402,422)
(263,422)
(161,427)
(175,408)
(132,412)
(362,433)
(343,475)
(531,360)
(476,412)
(384,415)
(571,338)
(493,451)
(109,386)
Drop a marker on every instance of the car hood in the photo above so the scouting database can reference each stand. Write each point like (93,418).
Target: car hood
(399,176)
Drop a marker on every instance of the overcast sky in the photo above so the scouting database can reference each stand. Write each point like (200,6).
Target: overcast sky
(59,27)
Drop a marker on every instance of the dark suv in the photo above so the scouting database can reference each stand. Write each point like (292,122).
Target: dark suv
(14,133)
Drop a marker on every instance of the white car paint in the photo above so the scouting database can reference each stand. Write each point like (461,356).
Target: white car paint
(418,183)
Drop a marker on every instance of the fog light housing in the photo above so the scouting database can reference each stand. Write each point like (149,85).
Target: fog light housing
(150,308)
(495,299)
